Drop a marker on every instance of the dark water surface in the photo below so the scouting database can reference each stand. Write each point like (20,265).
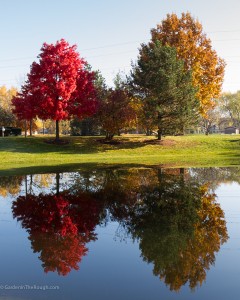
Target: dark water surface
(121,234)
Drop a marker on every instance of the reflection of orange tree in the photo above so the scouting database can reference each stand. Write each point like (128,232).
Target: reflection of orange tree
(210,233)
(10,185)
(59,227)
(198,255)
(180,227)
(43,180)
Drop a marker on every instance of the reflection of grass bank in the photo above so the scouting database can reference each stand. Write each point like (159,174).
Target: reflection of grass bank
(215,150)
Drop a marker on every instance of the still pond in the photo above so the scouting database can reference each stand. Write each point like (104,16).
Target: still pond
(121,233)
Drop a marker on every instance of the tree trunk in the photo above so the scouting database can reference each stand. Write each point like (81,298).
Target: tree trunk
(159,133)
(26,185)
(159,174)
(137,129)
(182,171)
(30,128)
(31,185)
(182,178)
(160,183)
(182,129)
(57,131)
(208,125)
(57,183)
(25,128)
(207,130)
(109,136)
(159,136)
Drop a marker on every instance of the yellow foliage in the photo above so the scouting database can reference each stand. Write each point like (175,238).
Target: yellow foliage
(10,185)
(194,48)
(6,96)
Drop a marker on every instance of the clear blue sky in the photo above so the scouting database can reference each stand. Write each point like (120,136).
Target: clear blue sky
(108,32)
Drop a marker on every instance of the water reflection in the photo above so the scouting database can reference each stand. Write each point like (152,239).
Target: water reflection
(172,213)
(59,226)
(10,185)
(179,231)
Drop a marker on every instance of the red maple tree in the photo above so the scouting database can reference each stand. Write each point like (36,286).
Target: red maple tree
(59,86)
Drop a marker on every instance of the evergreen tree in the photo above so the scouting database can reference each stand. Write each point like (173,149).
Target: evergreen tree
(165,88)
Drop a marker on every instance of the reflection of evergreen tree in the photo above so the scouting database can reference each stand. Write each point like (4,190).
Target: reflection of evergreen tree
(115,194)
(180,227)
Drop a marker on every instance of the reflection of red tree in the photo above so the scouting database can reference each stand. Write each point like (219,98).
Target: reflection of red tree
(59,253)
(59,227)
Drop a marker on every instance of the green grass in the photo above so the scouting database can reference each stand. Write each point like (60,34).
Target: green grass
(33,154)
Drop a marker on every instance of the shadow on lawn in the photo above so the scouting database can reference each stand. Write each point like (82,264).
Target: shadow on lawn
(234,141)
(232,158)
(76,145)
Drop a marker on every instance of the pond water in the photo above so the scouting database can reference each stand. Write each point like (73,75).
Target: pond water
(141,234)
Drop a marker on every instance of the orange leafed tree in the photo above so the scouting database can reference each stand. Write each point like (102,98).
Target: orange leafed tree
(195,49)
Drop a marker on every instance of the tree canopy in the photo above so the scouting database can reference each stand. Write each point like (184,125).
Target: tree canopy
(7,118)
(229,104)
(195,49)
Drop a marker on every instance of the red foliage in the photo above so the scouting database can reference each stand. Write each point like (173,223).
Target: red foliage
(58,86)
(22,103)
(59,253)
(84,102)
(59,227)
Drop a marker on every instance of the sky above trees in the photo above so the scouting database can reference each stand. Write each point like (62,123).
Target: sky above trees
(108,33)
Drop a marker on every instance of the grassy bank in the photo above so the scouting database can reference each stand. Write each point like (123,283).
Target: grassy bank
(214,150)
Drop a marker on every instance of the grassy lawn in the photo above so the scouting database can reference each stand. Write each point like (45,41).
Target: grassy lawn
(32,153)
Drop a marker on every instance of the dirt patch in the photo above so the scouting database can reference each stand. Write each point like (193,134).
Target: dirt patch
(166,143)
(57,142)
(111,142)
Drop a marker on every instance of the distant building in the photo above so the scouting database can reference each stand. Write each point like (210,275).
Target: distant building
(231,129)
(225,122)
(43,131)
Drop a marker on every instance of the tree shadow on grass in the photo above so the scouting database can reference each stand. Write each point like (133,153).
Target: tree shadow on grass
(76,145)
(232,158)
(234,141)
